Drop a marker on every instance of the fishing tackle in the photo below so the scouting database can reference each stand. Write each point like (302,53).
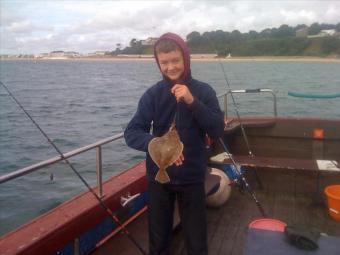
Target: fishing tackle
(241,125)
(239,172)
(242,178)
(106,208)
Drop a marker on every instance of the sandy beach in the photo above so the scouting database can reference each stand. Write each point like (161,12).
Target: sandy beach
(200,59)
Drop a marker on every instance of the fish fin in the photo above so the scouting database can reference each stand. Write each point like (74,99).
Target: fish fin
(162,176)
(153,151)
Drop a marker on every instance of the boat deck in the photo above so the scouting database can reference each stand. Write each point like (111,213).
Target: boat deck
(292,202)
(227,226)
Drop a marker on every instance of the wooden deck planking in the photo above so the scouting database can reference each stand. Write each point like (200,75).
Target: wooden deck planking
(227,227)
(227,234)
(121,244)
(247,210)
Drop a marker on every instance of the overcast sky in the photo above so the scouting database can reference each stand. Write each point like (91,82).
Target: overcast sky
(33,26)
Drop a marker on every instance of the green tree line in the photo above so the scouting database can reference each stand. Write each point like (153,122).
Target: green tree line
(281,41)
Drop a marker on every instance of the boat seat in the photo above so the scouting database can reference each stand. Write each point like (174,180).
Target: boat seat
(233,124)
(330,166)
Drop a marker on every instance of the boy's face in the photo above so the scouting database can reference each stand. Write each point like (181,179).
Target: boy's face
(171,64)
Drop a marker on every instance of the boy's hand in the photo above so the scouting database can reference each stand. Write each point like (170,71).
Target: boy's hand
(180,160)
(182,93)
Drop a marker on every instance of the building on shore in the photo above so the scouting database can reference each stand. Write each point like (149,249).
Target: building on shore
(302,32)
(72,54)
(203,56)
(134,56)
(57,54)
(99,53)
(42,55)
(325,33)
(149,41)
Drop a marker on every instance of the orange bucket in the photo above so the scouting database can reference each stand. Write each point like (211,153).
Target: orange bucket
(333,200)
(268,224)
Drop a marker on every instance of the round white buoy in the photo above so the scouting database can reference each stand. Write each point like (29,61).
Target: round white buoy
(222,193)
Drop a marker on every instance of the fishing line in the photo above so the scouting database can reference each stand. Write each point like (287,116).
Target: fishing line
(177,118)
(239,172)
(106,208)
(238,115)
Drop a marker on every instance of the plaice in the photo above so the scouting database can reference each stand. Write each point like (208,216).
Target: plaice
(164,151)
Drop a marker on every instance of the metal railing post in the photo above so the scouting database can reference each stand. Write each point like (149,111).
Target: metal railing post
(225,96)
(99,171)
(225,106)
(35,167)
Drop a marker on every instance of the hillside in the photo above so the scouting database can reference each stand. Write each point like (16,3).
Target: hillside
(283,41)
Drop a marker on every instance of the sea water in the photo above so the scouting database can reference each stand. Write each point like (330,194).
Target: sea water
(77,102)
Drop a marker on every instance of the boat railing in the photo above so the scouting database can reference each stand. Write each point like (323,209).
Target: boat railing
(35,167)
(98,146)
(225,96)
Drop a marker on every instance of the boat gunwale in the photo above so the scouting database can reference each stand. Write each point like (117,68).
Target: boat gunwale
(77,218)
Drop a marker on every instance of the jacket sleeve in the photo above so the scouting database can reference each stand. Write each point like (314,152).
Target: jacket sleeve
(137,134)
(208,114)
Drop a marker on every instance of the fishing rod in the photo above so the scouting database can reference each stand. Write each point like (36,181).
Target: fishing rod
(106,208)
(243,179)
(251,154)
(238,171)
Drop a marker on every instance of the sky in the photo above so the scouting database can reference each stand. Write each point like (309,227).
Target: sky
(36,26)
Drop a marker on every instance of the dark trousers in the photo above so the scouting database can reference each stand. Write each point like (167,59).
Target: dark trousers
(192,210)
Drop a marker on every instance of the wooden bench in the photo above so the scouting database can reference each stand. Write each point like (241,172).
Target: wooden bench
(233,124)
(280,163)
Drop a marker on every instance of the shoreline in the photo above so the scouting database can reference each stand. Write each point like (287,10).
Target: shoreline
(195,59)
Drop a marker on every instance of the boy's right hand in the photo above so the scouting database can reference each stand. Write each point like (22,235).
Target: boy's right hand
(182,93)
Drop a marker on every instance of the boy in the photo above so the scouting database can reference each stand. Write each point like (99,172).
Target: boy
(194,107)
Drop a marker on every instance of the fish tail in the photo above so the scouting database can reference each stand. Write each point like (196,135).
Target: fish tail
(162,176)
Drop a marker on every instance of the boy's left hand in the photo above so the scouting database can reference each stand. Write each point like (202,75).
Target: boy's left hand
(182,93)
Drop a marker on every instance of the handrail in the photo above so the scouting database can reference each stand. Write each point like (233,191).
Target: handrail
(37,166)
(225,95)
(32,168)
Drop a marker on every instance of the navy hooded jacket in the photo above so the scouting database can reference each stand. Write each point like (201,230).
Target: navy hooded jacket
(158,108)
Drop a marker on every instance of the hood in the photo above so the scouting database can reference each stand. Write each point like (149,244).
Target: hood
(185,51)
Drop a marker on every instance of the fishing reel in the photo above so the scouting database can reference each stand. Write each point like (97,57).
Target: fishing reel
(235,173)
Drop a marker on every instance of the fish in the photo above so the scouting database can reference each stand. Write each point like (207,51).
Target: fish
(164,151)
